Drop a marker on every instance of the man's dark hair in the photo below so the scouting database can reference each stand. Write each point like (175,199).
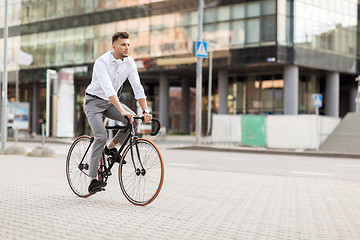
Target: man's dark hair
(117,35)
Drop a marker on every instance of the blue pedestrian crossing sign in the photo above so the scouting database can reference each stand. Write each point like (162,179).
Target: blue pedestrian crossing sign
(201,49)
(317,100)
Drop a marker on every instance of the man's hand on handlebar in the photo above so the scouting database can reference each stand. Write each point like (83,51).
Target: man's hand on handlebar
(129,115)
(147,117)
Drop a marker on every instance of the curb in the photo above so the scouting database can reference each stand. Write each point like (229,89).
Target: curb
(269,151)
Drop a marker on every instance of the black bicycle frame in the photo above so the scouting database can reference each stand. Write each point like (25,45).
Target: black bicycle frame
(120,150)
(131,138)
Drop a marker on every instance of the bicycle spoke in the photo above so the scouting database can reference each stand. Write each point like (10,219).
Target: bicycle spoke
(141,189)
(78,178)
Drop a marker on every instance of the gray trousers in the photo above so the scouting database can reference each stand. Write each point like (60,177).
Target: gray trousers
(95,110)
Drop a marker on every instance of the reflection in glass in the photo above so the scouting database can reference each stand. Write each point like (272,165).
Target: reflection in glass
(252,95)
(330,29)
(238,11)
(238,33)
(269,7)
(253,9)
(155,43)
(50,49)
(210,15)
(222,35)
(59,49)
(253,31)
(79,55)
(181,40)
(209,32)
(268,27)
(240,95)
(168,41)
(223,13)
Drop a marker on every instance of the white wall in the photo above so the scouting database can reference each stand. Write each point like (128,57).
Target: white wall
(291,131)
(282,131)
(226,128)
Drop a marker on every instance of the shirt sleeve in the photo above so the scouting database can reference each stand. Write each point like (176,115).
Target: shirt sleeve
(134,80)
(102,75)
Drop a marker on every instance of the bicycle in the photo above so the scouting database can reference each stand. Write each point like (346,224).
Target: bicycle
(141,167)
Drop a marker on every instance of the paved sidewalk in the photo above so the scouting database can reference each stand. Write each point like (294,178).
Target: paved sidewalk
(186,142)
(37,203)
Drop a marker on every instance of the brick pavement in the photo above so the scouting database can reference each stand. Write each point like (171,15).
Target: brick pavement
(37,203)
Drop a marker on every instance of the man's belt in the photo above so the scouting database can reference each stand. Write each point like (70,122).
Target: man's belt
(94,96)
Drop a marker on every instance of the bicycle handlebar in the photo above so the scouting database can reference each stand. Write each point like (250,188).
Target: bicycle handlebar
(155,125)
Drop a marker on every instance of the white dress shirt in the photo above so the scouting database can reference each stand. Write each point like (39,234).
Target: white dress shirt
(110,73)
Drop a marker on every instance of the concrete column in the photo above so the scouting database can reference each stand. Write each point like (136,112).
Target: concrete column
(164,100)
(332,94)
(223,82)
(35,108)
(185,104)
(291,90)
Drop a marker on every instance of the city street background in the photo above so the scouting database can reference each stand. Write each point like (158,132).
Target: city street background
(207,194)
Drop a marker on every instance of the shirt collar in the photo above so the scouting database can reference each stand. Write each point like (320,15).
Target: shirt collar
(117,61)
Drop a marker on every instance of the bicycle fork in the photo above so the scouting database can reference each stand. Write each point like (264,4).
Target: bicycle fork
(137,170)
(85,166)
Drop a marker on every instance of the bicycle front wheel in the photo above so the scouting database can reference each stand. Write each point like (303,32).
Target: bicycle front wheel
(77,166)
(141,182)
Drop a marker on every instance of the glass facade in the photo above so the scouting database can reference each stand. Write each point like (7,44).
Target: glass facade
(256,94)
(325,34)
(232,26)
(252,39)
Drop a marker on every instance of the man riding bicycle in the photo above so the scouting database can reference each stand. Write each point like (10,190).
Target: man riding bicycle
(109,73)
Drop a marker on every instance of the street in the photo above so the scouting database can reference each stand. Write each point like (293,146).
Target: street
(206,195)
(269,164)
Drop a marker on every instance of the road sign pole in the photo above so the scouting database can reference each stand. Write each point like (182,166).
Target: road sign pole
(210,92)
(199,75)
(317,103)
(317,129)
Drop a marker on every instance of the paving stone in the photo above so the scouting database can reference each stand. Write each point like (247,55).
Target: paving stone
(37,203)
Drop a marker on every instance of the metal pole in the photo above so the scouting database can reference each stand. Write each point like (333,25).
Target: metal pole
(210,91)
(199,75)
(317,129)
(4,87)
(17,86)
(48,87)
(42,134)
(49,76)
(357,99)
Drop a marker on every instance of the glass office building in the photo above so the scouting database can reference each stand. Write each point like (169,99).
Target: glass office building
(269,56)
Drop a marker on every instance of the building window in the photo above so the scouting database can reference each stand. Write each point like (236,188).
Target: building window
(252,29)
(238,33)
(264,94)
(308,85)
(238,11)
(268,30)
(253,9)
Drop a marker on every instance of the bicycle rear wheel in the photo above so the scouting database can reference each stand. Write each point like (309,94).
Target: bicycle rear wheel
(141,188)
(78,174)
